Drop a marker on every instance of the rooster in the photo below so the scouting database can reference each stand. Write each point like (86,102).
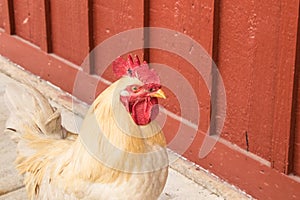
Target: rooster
(119,152)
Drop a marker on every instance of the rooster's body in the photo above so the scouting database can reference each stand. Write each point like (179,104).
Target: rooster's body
(113,157)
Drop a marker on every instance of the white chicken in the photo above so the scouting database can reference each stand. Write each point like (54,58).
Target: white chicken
(119,152)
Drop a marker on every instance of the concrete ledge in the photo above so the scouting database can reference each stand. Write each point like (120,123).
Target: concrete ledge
(19,194)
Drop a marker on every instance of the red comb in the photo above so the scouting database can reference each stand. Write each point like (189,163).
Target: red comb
(134,68)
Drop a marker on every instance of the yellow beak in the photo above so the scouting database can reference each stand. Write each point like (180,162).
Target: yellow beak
(159,94)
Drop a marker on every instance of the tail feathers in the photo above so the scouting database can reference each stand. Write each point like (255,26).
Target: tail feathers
(29,108)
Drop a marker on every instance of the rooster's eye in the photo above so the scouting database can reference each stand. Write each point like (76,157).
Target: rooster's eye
(151,90)
(134,88)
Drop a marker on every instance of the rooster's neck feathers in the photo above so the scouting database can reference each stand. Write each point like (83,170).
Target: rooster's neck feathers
(116,124)
(108,127)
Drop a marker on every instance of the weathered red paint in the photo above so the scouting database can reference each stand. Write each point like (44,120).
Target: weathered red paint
(285,69)
(254,43)
(240,39)
(296,112)
(69,29)
(46,66)
(238,167)
(1,14)
(113,17)
(8,19)
(296,158)
(264,75)
(194,18)
(45,24)
(247,172)
(27,20)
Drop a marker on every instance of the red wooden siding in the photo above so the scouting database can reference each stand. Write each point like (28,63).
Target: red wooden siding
(253,43)
(112,17)
(27,20)
(255,54)
(296,111)
(194,18)
(7,16)
(70,29)
(297,131)
(1,14)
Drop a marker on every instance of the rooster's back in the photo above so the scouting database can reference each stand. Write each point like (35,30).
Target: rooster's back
(36,127)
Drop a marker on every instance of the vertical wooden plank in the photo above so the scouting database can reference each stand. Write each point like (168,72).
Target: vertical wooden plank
(195,19)
(281,141)
(216,31)
(8,17)
(234,63)
(89,66)
(28,20)
(296,110)
(146,23)
(23,19)
(295,166)
(263,66)
(1,13)
(250,72)
(295,129)
(111,18)
(70,29)
(45,43)
(215,78)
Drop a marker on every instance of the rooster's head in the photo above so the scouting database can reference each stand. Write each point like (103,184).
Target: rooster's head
(140,99)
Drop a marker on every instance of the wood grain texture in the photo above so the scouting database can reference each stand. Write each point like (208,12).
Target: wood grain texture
(253,42)
(27,20)
(48,67)
(296,158)
(252,74)
(295,168)
(46,39)
(195,19)
(1,13)
(282,137)
(8,19)
(70,32)
(111,18)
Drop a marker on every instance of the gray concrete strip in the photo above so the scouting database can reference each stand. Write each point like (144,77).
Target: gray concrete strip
(179,187)
(9,179)
(206,179)
(185,181)
(19,194)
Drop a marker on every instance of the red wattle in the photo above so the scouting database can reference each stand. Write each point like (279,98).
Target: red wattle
(144,111)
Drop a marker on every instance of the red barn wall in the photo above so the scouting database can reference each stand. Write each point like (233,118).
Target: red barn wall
(255,45)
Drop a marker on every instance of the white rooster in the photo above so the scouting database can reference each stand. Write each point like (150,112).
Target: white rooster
(118,154)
